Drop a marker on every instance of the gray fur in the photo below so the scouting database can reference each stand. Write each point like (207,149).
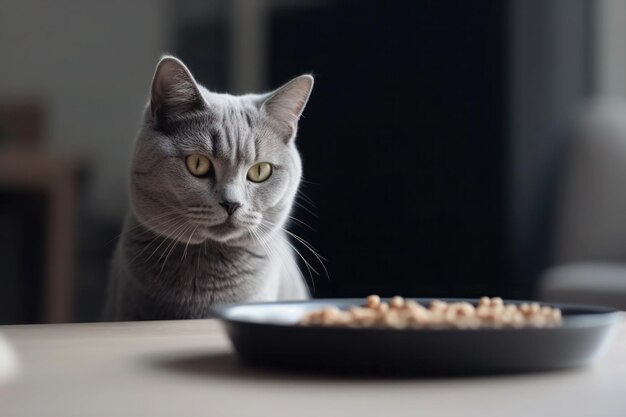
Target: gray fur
(176,258)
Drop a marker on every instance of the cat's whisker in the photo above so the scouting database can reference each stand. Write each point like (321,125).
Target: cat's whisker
(319,258)
(139,224)
(198,258)
(150,223)
(194,209)
(174,241)
(306,244)
(169,226)
(258,239)
(297,251)
(172,246)
(163,222)
(300,222)
(262,242)
(162,237)
(299,238)
(306,263)
(308,266)
(181,224)
(306,198)
(189,240)
(160,230)
(305,208)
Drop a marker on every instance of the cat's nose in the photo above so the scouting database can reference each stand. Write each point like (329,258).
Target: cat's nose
(230,206)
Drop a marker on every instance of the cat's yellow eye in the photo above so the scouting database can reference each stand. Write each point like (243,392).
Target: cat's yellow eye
(198,165)
(260,172)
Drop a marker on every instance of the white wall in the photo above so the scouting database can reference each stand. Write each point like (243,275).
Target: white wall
(249,34)
(91,62)
(549,81)
(610,47)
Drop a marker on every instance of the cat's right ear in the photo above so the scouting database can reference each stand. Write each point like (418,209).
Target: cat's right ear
(286,104)
(174,90)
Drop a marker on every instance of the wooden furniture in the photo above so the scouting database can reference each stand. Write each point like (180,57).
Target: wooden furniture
(188,368)
(31,170)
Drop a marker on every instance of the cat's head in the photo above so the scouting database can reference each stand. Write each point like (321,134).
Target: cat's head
(217,167)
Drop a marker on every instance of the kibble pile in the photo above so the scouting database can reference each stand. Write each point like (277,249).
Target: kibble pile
(408,314)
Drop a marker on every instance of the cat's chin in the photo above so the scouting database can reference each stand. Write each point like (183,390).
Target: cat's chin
(225,233)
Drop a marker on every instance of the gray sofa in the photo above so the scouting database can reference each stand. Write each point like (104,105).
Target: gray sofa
(589,253)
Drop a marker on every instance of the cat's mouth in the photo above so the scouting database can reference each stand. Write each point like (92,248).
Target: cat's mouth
(231,227)
(226,231)
(224,227)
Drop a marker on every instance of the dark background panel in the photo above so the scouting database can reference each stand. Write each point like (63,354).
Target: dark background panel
(403,144)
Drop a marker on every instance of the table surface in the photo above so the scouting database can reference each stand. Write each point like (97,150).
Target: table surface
(174,367)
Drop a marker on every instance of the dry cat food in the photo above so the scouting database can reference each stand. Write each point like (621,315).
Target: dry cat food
(399,313)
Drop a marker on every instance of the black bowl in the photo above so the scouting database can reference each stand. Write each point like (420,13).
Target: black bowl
(267,334)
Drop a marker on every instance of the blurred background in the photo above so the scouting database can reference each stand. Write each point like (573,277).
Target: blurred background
(450,148)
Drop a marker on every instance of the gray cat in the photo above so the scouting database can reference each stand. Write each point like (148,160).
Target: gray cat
(212,184)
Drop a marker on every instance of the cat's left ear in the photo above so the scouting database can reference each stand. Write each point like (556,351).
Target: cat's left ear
(174,90)
(285,105)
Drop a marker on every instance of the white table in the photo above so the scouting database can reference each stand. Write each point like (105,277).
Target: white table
(183,368)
